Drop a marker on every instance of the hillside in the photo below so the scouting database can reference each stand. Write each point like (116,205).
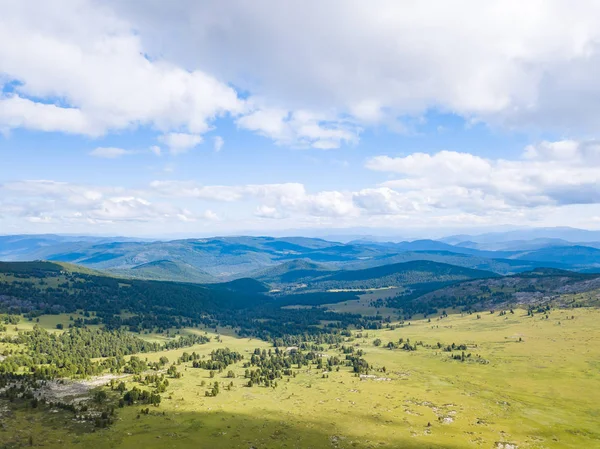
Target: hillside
(43,267)
(527,234)
(294,271)
(534,287)
(38,288)
(436,245)
(225,258)
(576,255)
(499,266)
(167,270)
(397,275)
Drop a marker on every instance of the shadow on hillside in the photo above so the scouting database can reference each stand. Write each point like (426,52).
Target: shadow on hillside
(220,430)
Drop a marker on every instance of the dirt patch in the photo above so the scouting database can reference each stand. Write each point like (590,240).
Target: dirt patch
(72,391)
(375,378)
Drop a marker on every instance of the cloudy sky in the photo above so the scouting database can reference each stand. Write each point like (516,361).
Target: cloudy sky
(148,117)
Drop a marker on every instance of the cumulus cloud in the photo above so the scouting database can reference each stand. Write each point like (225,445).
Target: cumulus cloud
(85,56)
(45,200)
(84,67)
(570,151)
(179,143)
(288,197)
(109,152)
(300,128)
(384,201)
(549,173)
(210,215)
(264,211)
(191,189)
(512,63)
(441,189)
(218,143)
(18,112)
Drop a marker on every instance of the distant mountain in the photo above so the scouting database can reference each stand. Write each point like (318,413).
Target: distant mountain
(500,266)
(167,270)
(563,233)
(417,272)
(578,256)
(294,271)
(425,245)
(244,285)
(524,245)
(225,258)
(222,257)
(435,245)
(41,266)
(417,266)
(30,247)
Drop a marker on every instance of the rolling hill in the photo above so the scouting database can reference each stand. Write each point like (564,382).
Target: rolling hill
(576,256)
(398,275)
(304,276)
(166,270)
(226,258)
(293,271)
(525,288)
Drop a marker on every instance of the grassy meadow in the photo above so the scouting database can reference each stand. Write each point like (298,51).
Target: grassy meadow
(531,382)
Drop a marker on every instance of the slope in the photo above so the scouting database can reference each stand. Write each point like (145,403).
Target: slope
(399,275)
(167,270)
(580,256)
(291,272)
(540,285)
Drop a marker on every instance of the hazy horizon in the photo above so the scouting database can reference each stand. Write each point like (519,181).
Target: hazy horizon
(348,234)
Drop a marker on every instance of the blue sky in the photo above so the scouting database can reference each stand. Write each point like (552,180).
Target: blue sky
(221,118)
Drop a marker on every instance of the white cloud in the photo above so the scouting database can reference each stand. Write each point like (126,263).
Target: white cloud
(190,189)
(384,201)
(218,143)
(210,215)
(288,197)
(62,202)
(263,211)
(85,56)
(550,173)
(87,67)
(514,63)
(109,152)
(522,191)
(570,151)
(179,143)
(156,150)
(300,128)
(18,112)
(331,204)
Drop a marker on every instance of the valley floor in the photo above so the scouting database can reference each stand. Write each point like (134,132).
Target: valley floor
(530,382)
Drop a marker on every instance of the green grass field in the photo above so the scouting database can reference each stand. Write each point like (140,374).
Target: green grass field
(541,392)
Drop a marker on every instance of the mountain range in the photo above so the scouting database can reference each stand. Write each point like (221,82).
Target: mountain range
(288,260)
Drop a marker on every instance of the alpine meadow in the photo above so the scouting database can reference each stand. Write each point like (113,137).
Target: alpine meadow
(301,224)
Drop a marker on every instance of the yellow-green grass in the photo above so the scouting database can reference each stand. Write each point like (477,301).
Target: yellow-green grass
(541,392)
(48,322)
(41,283)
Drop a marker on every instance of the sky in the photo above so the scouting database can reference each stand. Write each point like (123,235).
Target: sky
(153,118)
